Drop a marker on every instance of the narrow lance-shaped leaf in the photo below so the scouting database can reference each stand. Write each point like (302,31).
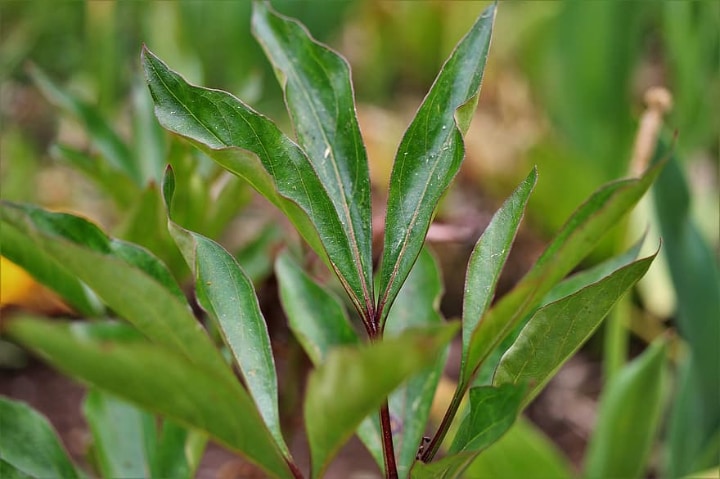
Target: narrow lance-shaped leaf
(126,277)
(253,147)
(628,417)
(320,101)
(227,294)
(429,156)
(556,331)
(575,240)
(363,376)
(29,447)
(159,380)
(489,256)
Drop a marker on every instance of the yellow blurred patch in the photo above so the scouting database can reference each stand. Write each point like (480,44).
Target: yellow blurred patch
(18,288)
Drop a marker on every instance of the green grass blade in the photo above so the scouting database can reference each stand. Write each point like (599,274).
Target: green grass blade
(159,380)
(319,98)
(696,278)
(110,146)
(29,447)
(628,417)
(429,156)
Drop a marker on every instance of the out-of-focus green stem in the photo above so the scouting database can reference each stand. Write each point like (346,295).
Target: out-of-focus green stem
(617,338)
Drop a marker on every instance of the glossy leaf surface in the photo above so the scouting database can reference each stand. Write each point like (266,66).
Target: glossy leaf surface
(319,97)
(565,324)
(575,240)
(361,373)
(489,256)
(228,295)
(159,380)
(251,146)
(430,154)
(628,417)
(29,447)
(127,278)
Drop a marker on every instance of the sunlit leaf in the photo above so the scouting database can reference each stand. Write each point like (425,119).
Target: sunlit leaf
(159,380)
(429,156)
(320,101)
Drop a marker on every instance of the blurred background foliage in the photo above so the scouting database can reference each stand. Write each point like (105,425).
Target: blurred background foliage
(563,90)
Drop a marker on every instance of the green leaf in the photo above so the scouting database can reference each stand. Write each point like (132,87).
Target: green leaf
(492,413)
(319,97)
(126,277)
(159,380)
(575,240)
(29,447)
(315,316)
(362,376)
(556,331)
(580,280)
(123,435)
(101,136)
(488,258)
(149,138)
(22,250)
(429,156)
(251,146)
(628,417)
(227,294)
(178,450)
(416,306)
(256,256)
(696,278)
(523,452)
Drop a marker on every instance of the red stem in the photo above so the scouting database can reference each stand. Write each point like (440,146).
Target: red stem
(388,448)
